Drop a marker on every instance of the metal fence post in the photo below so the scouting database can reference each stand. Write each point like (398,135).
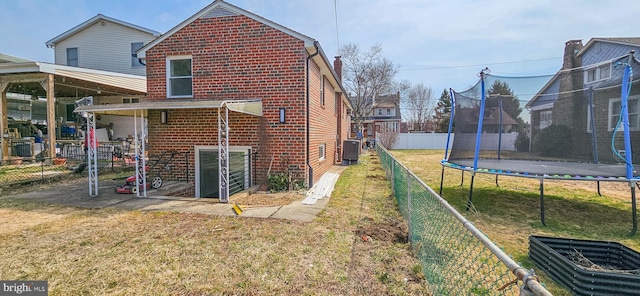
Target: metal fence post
(409,214)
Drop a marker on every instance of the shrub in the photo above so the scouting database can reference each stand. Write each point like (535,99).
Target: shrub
(278,182)
(553,141)
(522,142)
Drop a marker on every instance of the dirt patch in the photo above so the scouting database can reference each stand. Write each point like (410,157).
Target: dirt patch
(262,198)
(377,177)
(393,231)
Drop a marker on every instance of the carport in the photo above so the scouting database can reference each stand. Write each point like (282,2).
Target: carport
(39,79)
(139,111)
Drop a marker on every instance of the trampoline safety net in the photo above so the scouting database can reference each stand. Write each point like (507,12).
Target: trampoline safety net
(582,121)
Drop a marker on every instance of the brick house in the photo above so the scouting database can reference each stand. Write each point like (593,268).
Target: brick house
(590,73)
(228,84)
(383,115)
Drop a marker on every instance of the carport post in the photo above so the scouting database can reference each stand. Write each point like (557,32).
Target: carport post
(92,159)
(51,115)
(141,184)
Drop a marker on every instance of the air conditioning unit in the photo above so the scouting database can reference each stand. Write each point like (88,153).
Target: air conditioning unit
(351,150)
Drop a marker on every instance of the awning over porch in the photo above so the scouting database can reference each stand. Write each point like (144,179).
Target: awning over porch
(249,106)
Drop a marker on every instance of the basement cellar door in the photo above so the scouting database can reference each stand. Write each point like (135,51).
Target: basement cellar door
(207,183)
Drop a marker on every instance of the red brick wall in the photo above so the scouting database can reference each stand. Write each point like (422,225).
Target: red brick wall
(239,58)
(323,123)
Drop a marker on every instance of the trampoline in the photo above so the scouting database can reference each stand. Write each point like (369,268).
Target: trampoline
(558,127)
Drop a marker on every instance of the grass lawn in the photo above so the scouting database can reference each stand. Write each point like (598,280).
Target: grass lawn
(509,214)
(356,246)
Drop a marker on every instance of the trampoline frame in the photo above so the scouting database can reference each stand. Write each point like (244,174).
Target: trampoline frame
(628,177)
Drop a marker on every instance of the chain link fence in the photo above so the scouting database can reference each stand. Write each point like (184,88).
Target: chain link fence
(17,170)
(457,259)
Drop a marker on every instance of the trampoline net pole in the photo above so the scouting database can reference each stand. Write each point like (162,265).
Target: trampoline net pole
(633,209)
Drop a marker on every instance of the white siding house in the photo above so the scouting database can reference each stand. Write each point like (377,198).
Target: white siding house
(102,43)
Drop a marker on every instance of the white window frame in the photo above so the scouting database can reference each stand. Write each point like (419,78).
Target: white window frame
(322,152)
(548,120)
(168,70)
(247,168)
(77,59)
(135,62)
(599,73)
(613,115)
(379,111)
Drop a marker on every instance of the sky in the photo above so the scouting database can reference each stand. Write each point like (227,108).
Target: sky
(441,44)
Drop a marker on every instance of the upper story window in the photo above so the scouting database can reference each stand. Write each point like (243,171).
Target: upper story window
(135,62)
(379,112)
(388,112)
(179,77)
(72,56)
(597,73)
(615,106)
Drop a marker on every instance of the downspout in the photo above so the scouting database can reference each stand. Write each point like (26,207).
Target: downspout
(315,44)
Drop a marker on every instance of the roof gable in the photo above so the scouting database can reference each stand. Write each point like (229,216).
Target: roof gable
(220,8)
(631,41)
(92,21)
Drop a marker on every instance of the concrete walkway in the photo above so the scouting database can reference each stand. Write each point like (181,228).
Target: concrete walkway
(76,194)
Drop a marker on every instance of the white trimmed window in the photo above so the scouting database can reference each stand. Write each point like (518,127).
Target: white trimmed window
(322,154)
(545,119)
(633,108)
(179,77)
(72,56)
(135,62)
(597,73)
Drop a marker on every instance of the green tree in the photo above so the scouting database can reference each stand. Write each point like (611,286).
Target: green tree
(443,112)
(500,91)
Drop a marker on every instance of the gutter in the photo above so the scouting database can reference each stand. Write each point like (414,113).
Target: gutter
(316,45)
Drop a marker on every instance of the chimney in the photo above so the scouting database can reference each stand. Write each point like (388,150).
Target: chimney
(571,49)
(564,108)
(337,66)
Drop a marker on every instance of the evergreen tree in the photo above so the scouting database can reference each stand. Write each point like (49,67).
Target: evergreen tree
(443,112)
(500,91)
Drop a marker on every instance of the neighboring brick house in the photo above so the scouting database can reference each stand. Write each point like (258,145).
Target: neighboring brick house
(224,53)
(564,100)
(384,115)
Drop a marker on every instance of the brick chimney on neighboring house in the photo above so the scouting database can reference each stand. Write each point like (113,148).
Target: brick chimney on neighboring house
(337,66)
(571,78)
